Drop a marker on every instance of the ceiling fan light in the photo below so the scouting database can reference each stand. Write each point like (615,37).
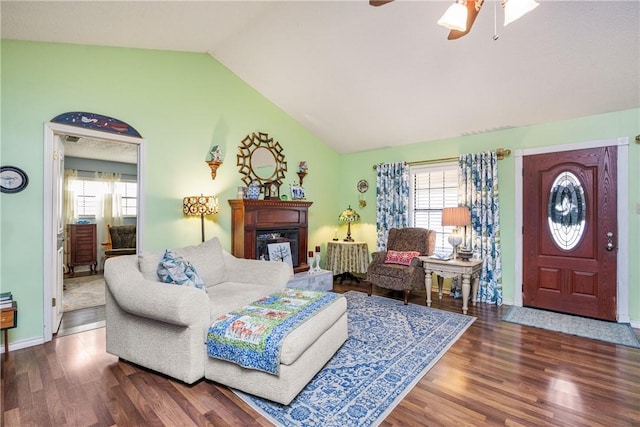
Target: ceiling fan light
(515,9)
(455,18)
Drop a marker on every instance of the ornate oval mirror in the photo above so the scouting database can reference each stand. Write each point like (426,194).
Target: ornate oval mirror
(260,159)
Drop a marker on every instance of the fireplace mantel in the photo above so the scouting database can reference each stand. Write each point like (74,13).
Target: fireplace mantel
(251,216)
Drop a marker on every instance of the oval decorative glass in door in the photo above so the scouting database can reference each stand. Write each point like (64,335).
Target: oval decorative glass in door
(566,211)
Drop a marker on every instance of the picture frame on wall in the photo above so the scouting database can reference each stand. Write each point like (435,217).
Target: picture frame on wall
(13,179)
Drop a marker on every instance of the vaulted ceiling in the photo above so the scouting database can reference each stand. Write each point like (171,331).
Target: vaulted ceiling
(363,78)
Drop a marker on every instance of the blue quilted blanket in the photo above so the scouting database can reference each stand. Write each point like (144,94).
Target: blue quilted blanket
(252,336)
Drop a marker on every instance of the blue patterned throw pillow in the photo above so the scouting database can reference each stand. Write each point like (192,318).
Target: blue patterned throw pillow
(174,269)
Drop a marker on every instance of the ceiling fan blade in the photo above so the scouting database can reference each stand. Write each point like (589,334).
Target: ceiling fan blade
(473,7)
(379,2)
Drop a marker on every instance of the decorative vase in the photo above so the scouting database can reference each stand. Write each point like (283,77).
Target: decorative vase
(253,192)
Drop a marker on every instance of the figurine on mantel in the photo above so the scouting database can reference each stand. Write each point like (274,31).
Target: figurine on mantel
(297,192)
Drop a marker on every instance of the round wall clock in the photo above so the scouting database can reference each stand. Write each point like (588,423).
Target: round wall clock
(12,179)
(363,186)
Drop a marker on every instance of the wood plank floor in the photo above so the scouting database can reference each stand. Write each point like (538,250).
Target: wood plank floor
(82,320)
(497,373)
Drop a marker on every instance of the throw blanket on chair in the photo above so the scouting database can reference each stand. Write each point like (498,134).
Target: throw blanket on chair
(252,336)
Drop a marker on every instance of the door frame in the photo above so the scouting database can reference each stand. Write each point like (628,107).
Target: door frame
(49,259)
(622,306)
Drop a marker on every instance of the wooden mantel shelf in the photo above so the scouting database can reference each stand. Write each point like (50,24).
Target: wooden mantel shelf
(251,216)
(264,203)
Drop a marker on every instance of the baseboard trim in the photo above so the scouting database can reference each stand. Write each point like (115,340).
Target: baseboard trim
(17,345)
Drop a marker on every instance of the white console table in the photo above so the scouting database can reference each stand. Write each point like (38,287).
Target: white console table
(452,268)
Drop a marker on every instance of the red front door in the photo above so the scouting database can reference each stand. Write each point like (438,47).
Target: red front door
(570,232)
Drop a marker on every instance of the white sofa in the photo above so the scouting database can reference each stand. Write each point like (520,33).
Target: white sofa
(163,327)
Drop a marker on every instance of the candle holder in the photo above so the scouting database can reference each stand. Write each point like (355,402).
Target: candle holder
(310,259)
(317,259)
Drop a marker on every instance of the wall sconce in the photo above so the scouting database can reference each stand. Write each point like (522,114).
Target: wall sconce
(214,160)
(200,205)
(349,215)
(302,170)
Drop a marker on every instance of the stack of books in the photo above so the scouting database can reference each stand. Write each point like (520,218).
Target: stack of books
(6,300)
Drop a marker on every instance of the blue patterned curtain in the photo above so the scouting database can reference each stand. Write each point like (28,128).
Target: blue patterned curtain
(392,199)
(478,190)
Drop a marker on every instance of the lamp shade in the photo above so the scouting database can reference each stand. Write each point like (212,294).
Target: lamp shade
(514,9)
(200,205)
(455,18)
(349,215)
(456,216)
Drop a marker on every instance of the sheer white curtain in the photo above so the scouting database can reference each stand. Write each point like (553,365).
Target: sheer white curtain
(108,208)
(70,212)
(70,180)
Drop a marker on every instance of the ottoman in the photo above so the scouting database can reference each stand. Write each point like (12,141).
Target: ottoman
(304,351)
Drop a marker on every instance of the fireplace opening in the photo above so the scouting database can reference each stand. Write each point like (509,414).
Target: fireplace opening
(280,235)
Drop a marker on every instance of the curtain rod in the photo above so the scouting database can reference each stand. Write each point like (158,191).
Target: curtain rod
(501,153)
(124,175)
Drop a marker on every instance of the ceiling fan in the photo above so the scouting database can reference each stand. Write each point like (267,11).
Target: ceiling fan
(473,7)
(461,15)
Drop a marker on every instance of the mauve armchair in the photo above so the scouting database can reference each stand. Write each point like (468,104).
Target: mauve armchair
(399,277)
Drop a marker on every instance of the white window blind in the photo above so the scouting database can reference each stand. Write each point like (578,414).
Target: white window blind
(129,194)
(86,196)
(432,188)
(86,200)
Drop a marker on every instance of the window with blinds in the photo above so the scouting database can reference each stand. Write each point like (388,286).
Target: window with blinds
(86,200)
(432,188)
(129,194)
(87,191)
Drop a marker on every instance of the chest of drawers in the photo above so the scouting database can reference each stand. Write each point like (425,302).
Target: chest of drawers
(82,246)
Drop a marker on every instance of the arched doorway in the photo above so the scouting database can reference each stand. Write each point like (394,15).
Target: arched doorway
(81,125)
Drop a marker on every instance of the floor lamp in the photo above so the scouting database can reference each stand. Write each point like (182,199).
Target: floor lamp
(200,205)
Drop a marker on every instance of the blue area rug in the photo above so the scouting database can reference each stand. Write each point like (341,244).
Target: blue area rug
(390,348)
(616,333)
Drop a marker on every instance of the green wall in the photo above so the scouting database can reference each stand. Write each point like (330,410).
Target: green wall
(182,103)
(604,126)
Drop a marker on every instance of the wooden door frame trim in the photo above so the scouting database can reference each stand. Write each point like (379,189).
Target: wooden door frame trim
(50,131)
(622,307)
